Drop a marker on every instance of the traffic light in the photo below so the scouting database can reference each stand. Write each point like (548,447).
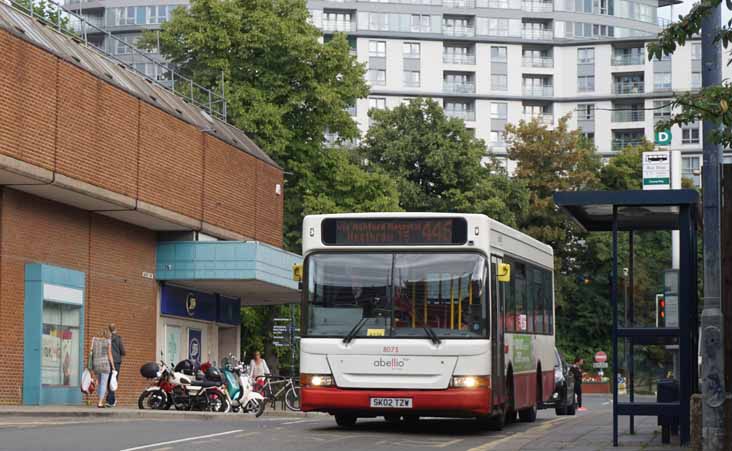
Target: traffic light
(660,311)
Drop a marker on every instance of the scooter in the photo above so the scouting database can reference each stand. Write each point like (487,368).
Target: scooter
(239,389)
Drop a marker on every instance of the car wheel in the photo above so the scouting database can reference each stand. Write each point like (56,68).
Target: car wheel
(345,421)
(572,408)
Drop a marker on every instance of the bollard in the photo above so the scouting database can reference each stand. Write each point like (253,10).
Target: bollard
(696,422)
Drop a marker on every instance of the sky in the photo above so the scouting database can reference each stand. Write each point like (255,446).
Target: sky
(675,10)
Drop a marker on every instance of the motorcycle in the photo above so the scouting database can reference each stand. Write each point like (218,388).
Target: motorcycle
(239,389)
(178,388)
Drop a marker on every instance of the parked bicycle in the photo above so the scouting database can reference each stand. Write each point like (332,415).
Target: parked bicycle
(277,387)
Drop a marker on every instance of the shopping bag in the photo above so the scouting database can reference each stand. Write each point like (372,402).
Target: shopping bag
(87,382)
(113,381)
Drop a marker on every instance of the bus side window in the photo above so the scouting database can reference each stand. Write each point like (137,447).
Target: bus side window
(510,313)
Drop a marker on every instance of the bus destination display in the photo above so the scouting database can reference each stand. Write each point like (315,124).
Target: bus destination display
(405,231)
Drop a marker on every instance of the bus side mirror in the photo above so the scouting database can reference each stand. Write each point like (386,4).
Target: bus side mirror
(297,272)
(504,272)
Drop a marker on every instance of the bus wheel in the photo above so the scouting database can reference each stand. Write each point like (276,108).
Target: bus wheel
(528,415)
(493,422)
(345,421)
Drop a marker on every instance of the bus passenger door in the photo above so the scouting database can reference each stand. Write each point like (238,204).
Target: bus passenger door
(498,356)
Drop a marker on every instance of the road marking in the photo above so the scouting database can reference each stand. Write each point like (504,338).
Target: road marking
(246,434)
(167,448)
(450,443)
(302,421)
(542,428)
(189,439)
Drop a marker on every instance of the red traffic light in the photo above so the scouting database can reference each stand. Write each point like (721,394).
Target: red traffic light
(662,303)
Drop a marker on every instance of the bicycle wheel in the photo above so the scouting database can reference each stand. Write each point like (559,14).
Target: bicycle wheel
(292,398)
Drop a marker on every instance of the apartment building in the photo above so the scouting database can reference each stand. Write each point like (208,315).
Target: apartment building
(493,62)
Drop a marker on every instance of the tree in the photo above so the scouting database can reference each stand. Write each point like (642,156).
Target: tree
(711,103)
(551,159)
(284,86)
(436,163)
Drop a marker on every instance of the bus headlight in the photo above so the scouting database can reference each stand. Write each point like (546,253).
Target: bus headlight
(316,380)
(471,381)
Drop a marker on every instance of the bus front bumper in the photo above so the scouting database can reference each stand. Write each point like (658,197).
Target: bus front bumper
(451,402)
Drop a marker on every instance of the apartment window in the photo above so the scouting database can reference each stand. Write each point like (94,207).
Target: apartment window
(377,103)
(585,83)
(690,133)
(411,50)
(377,49)
(420,23)
(696,80)
(499,54)
(589,137)
(499,82)
(157,14)
(377,76)
(124,16)
(336,21)
(662,81)
(661,110)
(696,51)
(499,110)
(123,44)
(586,112)
(412,78)
(460,109)
(498,137)
(691,169)
(586,56)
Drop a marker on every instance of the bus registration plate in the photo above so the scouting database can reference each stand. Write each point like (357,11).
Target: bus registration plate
(391,403)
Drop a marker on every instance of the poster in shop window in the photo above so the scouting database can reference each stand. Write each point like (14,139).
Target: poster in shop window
(171,344)
(194,345)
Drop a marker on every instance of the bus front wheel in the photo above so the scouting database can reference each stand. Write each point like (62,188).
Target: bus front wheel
(528,415)
(345,420)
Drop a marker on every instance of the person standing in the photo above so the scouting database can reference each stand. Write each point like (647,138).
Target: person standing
(118,351)
(258,369)
(576,370)
(102,362)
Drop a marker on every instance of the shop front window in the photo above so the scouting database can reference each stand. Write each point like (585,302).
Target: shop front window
(60,354)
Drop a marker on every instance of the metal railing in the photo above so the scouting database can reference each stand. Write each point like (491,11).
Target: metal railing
(538,91)
(468,115)
(628,60)
(458,87)
(458,3)
(629,116)
(78,28)
(538,61)
(629,88)
(620,144)
(338,25)
(458,31)
(537,7)
(458,58)
(542,35)
(545,119)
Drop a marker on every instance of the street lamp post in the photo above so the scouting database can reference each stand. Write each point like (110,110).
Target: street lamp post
(713,389)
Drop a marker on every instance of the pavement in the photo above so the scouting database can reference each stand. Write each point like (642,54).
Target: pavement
(128,430)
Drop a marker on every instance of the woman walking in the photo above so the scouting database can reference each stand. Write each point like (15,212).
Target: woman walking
(102,362)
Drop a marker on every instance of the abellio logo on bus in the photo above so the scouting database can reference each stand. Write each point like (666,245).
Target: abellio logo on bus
(393,363)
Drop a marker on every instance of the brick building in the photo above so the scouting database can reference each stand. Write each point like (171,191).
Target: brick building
(120,202)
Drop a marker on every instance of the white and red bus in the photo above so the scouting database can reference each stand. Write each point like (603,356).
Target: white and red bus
(425,314)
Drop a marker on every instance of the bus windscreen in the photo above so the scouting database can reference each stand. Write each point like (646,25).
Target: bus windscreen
(394,231)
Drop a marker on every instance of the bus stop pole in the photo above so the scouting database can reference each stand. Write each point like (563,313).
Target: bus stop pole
(630,384)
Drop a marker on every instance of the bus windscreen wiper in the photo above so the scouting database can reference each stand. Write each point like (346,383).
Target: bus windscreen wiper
(433,336)
(354,331)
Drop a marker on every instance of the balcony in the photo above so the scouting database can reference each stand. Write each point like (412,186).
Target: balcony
(629,116)
(458,3)
(339,25)
(542,61)
(544,119)
(412,83)
(459,87)
(628,88)
(538,35)
(628,60)
(458,31)
(458,58)
(537,7)
(461,114)
(621,143)
(539,91)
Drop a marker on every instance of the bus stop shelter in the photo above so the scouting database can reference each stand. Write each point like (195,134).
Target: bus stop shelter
(652,210)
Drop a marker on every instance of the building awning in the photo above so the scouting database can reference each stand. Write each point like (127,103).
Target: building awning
(257,273)
(637,210)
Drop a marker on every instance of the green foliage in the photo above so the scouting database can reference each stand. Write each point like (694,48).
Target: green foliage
(711,103)
(48,11)
(436,163)
(284,86)
(625,170)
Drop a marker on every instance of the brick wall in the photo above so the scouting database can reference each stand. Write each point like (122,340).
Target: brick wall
(66,119)
(111,253)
